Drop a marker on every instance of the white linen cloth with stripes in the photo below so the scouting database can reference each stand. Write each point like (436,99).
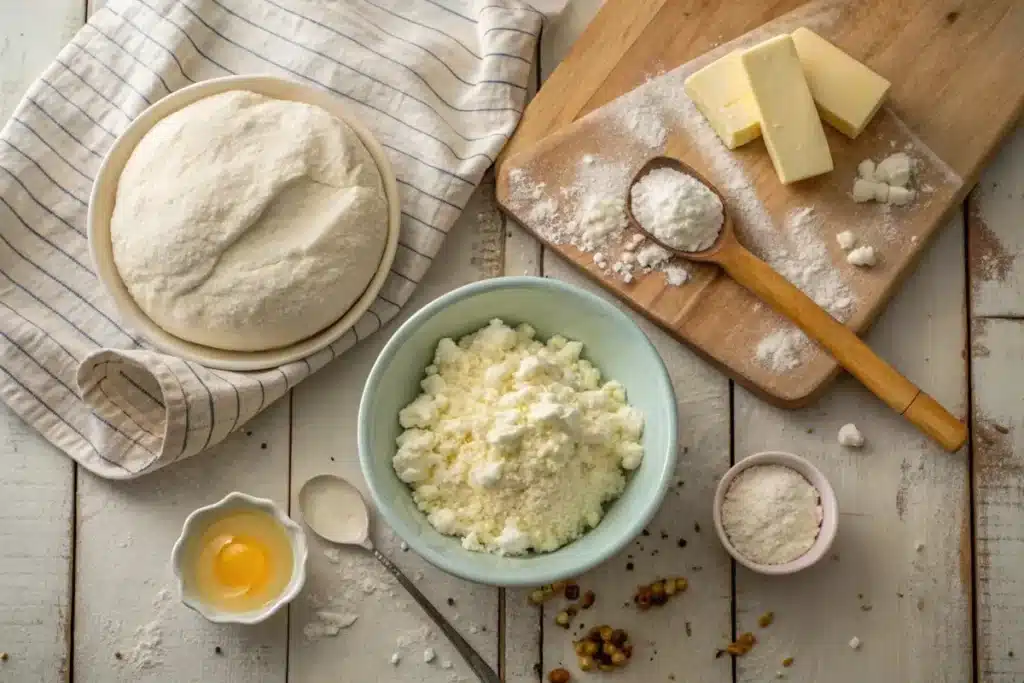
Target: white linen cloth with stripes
(442,84)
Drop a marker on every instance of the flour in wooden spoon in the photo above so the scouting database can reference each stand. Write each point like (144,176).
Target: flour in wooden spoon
(679,210)
(590,214)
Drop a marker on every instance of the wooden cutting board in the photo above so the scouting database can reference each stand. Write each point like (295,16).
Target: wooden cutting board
(957,70)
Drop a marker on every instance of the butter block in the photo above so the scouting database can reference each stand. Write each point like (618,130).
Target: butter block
(789,120)
(848,93)
(722,95)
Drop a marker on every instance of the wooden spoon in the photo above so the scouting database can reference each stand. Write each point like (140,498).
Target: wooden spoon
(846,347)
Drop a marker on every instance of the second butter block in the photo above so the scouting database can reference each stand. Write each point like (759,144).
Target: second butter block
(789,119)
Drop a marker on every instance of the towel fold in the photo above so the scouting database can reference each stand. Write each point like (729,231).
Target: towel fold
(441,83)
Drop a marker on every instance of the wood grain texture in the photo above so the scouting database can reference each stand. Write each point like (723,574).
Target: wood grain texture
(679,639)
(37,488)
(996,240)
(123,576)
(997,346)
(910,607)
(680,32)
(324,428)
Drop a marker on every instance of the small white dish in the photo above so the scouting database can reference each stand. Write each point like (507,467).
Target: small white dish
(829,511)
(101,206)
(200,519)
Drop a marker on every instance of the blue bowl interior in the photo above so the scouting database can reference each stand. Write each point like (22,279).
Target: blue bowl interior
(611,341)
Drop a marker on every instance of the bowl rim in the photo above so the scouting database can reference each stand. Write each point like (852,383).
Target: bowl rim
(518,576)
(829,510)
(109,174)
(296,539)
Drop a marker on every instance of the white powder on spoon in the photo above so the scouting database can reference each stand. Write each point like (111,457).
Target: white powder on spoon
(681,211)
(771,514)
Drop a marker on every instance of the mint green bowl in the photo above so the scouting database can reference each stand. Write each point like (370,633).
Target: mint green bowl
(611,341)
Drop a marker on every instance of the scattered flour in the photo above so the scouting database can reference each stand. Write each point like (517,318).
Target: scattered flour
(646,124)
(771,514)
(147,650)
(676,275)
(360,582)
(862,257)
(850,436)
(328,624)
(855,643)
(651,256)
(780,351)
(678,209)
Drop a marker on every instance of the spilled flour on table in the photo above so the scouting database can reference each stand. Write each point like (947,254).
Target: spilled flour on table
(145,649)
(362,582)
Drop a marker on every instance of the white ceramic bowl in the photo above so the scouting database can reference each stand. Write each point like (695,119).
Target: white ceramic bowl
(182,556)
(101,206)
(829,511)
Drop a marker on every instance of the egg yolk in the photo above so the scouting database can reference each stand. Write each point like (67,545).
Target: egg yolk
(240,564)
(241,561)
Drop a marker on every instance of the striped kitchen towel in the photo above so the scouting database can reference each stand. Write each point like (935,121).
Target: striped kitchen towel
(442,84)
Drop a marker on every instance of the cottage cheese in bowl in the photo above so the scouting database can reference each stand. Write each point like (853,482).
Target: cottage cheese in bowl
(516,445)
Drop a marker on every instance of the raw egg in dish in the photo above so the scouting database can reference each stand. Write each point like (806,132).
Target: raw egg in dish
(242,561)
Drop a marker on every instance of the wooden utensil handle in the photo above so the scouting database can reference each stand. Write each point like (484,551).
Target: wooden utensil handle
(853,354)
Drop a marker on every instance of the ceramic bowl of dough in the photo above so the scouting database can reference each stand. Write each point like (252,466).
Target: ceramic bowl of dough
(183,556)
(102,202)
(829,511)
(612,342)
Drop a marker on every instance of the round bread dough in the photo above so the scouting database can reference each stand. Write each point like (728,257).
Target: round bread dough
(247,223)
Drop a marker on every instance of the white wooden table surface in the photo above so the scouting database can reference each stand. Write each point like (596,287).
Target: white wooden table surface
(83,561)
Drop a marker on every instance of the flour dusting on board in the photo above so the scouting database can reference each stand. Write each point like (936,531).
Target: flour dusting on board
(590,214)
(800,245)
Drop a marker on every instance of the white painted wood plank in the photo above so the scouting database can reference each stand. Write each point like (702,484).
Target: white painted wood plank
(675,642)
(37,489)
(998,415)
(910,609)
(36,523)
(125,534)
(997,346)
(324,440)
(996,240)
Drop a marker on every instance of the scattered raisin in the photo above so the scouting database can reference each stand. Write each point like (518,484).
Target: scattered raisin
(559,676)
(588,600)
(572,591)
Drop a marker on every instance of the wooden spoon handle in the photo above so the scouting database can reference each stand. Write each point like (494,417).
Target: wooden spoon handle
(853,354)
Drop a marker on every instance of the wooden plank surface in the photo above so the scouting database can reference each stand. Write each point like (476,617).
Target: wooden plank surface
(129,624)
(757,199)
(37,490)
(323,440)
(997,347)
(895,494)
(909,606)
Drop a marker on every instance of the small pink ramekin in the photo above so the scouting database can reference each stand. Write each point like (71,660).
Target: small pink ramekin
(829,511)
